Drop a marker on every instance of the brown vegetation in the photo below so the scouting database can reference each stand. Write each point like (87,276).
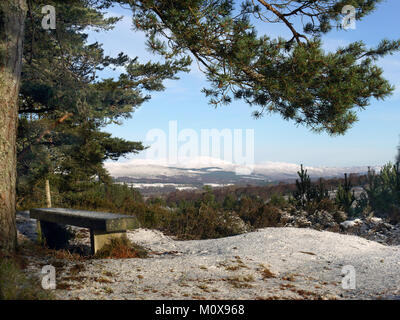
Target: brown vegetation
(121,248)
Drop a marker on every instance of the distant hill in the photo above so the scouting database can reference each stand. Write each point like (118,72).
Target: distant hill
(155,176)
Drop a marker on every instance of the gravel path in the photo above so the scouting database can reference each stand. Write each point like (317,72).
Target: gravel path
(271,263)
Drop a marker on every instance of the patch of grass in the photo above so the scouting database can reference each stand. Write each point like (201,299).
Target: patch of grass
(266,273)
(289,277)
(166,295)
(101,280)
(240,281)
(287,286)
(237,264)
(203,287)
(74,278)
(183,284)
(66,255)
(121,248)
(269,298)
(306,294)
(16,285)
(108,290)
(77,268)
(232,268)
(64,286)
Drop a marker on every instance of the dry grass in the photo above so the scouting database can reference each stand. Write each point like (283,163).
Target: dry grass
(232,268)
(64,286)
(108,290)
(289,277)
(121,248)
(305,294)
(77,268)
(287,286)
(74,278)
(269,298)
(66,255)
(204,287)
(309,253)
(240,282)
(101,280)
(265,272)
(237,264)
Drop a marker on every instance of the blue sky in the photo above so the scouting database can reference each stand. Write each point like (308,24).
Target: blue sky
(371,141)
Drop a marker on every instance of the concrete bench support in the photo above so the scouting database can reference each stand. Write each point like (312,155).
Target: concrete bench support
(103,226)
(100,238)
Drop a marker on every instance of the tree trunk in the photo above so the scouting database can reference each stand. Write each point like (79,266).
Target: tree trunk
(12,18)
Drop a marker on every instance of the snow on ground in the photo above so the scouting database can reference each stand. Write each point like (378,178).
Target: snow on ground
(271,263)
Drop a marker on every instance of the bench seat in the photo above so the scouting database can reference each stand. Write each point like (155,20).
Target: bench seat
(103,225)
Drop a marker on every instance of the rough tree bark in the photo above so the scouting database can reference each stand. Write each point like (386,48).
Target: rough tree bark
(12,18)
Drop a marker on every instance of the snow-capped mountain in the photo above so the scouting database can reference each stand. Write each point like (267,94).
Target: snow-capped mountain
(210,171)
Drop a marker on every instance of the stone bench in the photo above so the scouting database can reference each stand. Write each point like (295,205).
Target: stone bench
(103,226)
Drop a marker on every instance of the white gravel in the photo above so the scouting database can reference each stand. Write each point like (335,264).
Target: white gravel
(306,264)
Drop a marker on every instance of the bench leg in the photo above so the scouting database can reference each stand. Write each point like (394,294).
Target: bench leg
(40,237)
(99,238)
(56,236)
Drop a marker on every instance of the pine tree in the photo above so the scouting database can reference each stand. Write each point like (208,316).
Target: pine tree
(304,192)
(344,196)
(293,77)
(64,105)
(321,192)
